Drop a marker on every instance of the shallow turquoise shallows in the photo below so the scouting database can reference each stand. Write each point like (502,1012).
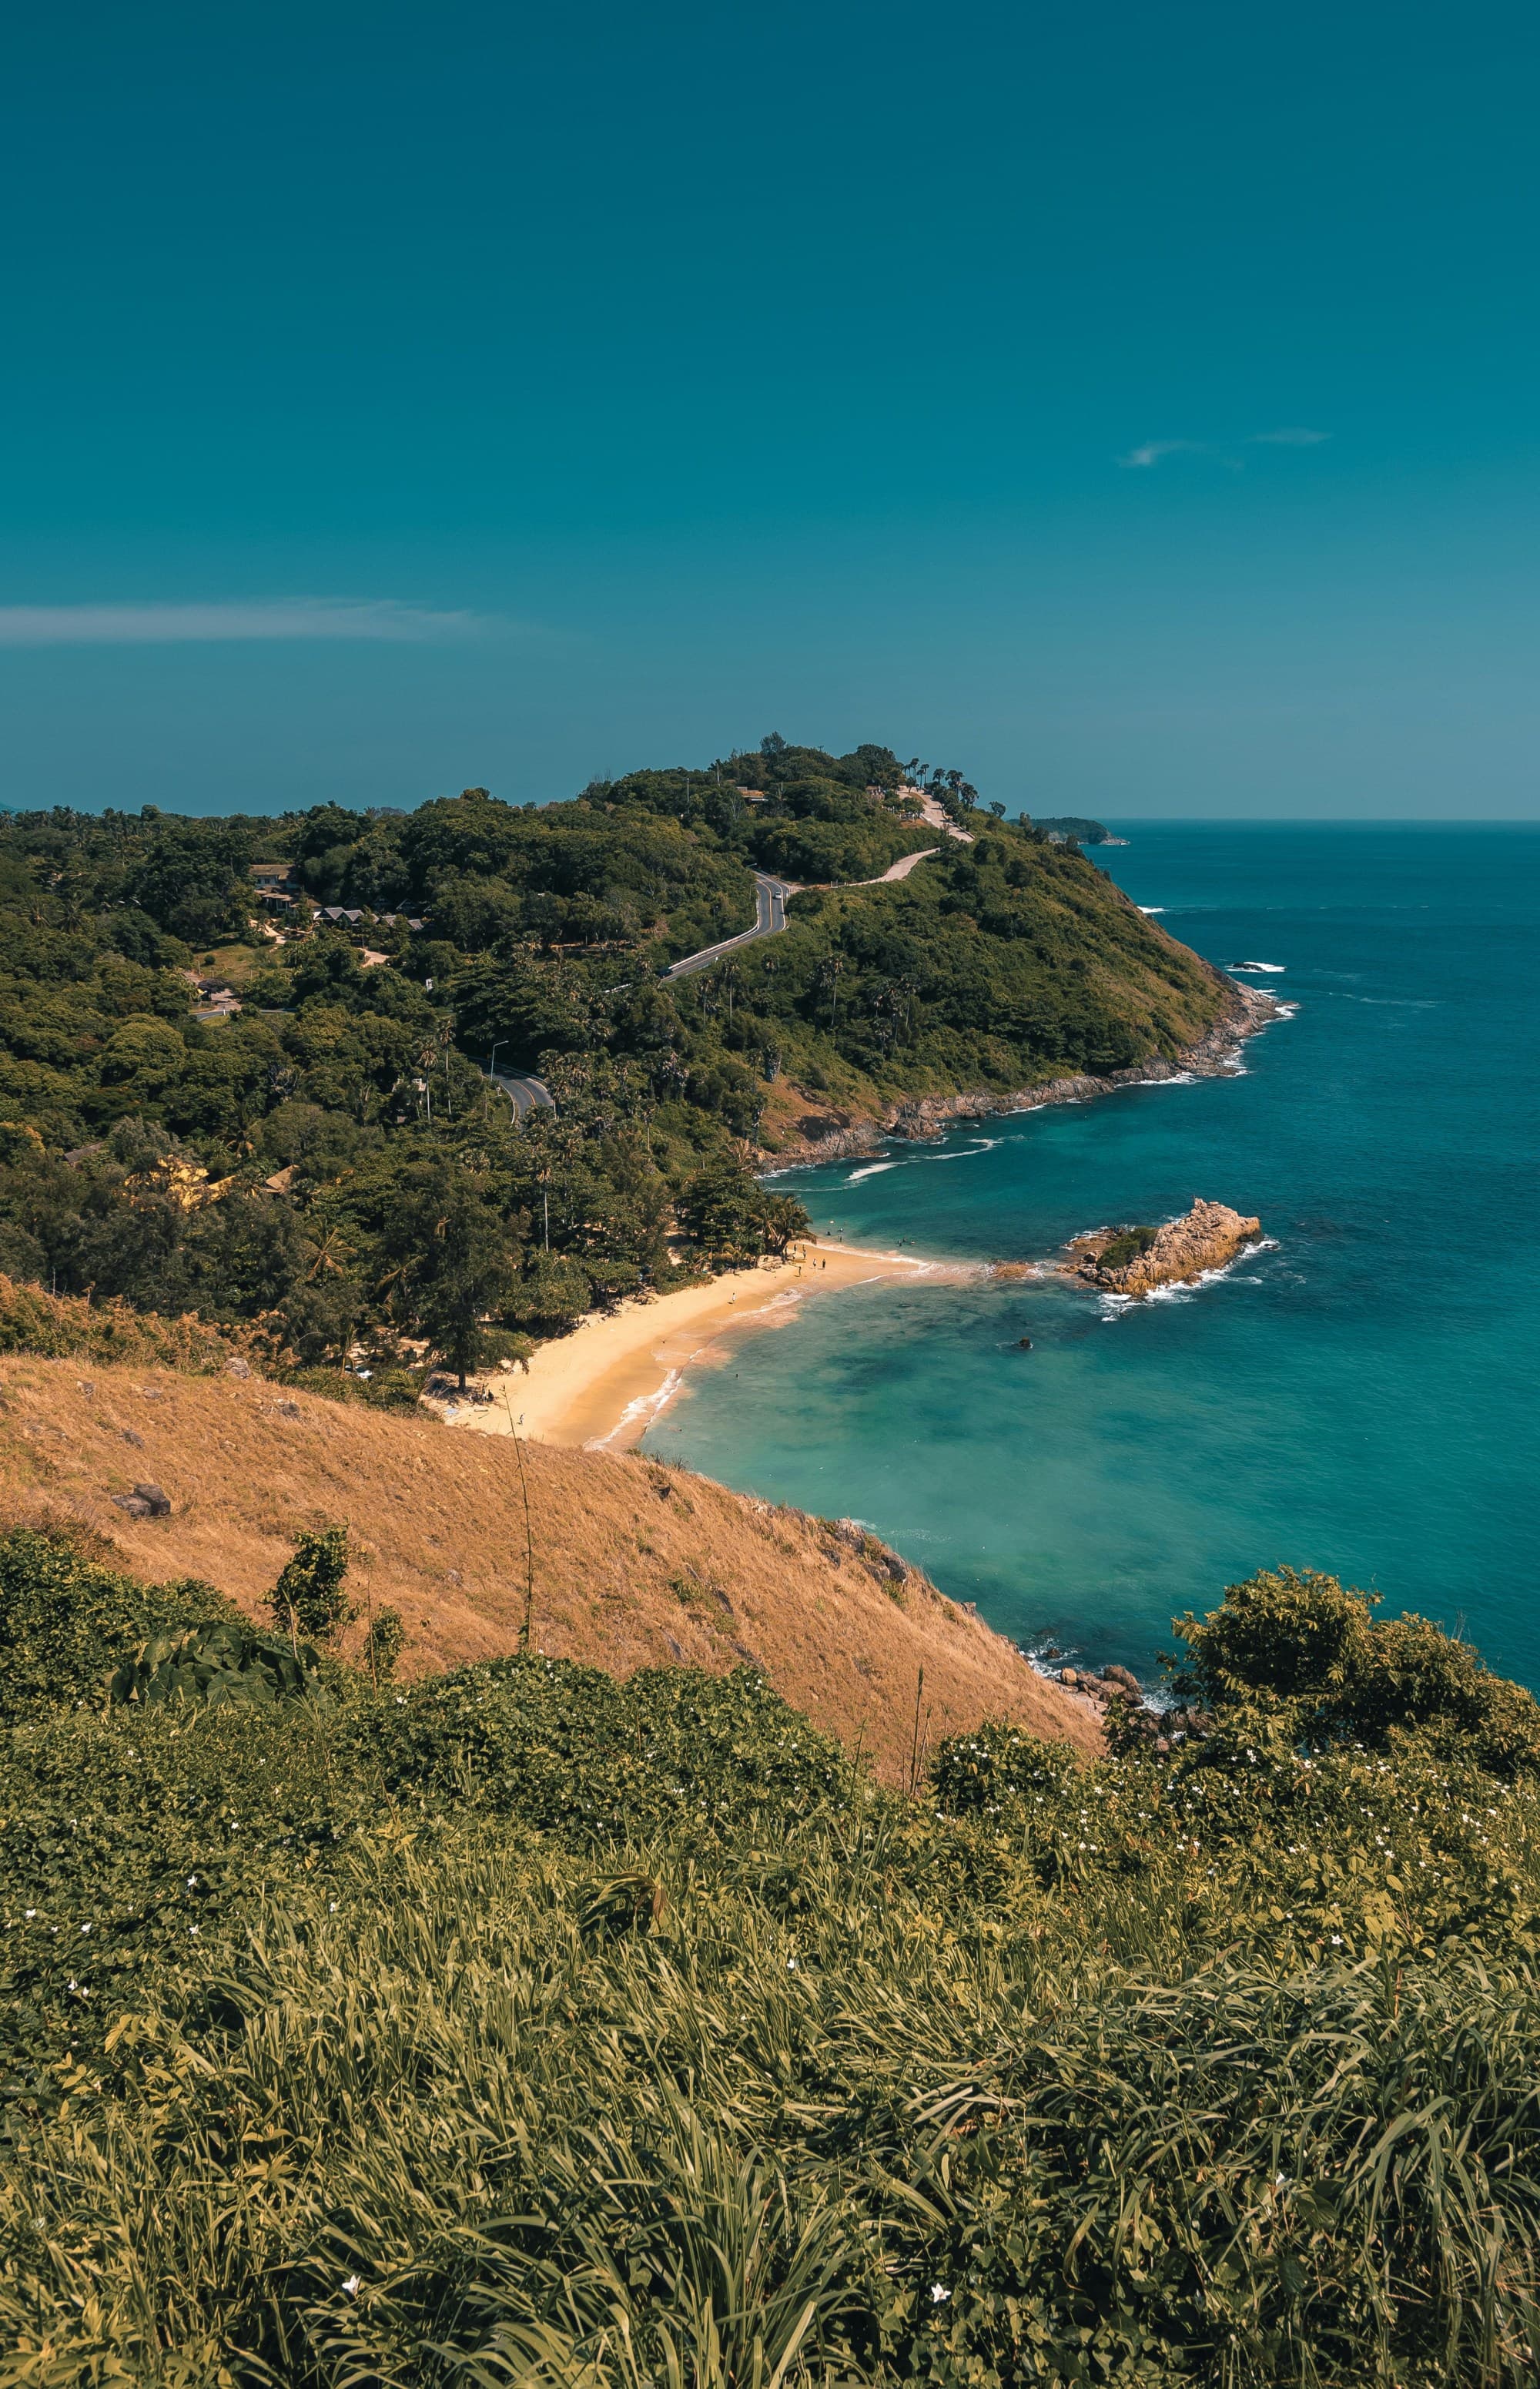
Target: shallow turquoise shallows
(1364,1396)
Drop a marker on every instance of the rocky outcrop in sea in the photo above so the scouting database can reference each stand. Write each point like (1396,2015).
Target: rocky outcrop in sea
(1133,1260)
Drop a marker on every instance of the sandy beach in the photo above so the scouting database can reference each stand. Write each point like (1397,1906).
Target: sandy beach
(604,1384)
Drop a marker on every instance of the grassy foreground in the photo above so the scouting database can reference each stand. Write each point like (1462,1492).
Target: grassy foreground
(528,2026)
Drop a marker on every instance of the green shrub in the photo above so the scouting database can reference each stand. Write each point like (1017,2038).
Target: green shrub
(1125,1246)
(307,1598)
(497,1344)
(383,1388)
(525,2026)
(1311,1644)
(66,1623)
(383,1646)
(974,1774)
(571,1750)
(213,1665)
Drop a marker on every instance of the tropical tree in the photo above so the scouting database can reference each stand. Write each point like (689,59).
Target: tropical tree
(733,1217)
(307,1598)
(452,1263)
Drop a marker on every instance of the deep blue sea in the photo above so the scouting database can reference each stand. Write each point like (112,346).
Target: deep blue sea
(1363,1397)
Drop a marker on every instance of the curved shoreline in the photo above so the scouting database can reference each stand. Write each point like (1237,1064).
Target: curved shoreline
(602,1386)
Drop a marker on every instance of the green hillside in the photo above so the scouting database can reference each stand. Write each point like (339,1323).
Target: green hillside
(408,1200)
(525,2026)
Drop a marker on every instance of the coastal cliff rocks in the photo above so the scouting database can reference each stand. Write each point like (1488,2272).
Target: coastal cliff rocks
(1133,1260)
(1129,1718)
(809,1128)
(882,1561)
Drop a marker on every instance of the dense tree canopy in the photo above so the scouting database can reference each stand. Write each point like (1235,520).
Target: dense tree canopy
(296,1161)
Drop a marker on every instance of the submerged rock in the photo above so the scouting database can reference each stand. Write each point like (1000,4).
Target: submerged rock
(1132,1261)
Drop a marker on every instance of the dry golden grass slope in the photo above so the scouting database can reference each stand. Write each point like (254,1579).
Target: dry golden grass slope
(634,1564)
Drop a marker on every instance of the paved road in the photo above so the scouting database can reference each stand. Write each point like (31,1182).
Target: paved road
(770,903)
(771,895)
(939,820)
(525,1095)
(899,870)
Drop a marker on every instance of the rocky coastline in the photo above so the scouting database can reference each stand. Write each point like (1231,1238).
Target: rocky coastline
(1135,1260)
(1126,1712)
(840,1135)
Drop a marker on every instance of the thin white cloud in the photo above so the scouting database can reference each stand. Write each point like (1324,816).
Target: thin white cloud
(1153,452)
(261,618)
(1153,449)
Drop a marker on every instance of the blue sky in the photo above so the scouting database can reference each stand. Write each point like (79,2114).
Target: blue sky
(1134,407)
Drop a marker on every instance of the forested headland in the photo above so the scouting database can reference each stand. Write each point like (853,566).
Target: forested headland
(244,1059)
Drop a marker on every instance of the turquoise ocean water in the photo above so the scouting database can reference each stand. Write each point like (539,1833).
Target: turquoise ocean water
(1364,1396)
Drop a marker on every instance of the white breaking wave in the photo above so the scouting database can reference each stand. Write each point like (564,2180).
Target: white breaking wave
(646,1406)
(987,1146)
(1113,1305)
(1270,967)
(870,1168)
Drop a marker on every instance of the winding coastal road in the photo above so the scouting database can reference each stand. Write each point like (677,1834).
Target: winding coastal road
(769,894)
(770,908)
(771,897)
(525,1094)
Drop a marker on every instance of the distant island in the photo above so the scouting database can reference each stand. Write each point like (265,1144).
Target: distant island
(1065,829)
